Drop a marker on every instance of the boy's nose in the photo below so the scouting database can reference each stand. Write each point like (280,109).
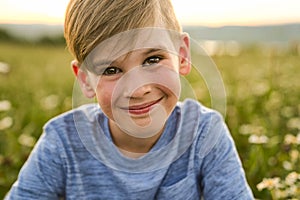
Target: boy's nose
(138,92)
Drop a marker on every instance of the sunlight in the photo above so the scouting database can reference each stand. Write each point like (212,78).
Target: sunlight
(33,11)
(189,12)
(234,12)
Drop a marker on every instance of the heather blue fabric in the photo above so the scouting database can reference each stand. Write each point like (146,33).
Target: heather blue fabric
(195,157)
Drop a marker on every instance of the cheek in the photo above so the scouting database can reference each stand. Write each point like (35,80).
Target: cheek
(172,97)
(104,98)
(172,63)
(104,94)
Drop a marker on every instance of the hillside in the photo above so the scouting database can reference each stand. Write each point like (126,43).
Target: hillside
(242,34)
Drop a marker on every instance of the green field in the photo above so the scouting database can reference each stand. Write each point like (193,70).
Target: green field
(263,109)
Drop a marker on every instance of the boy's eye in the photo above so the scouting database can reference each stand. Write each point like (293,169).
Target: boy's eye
(111,71)
(152,60)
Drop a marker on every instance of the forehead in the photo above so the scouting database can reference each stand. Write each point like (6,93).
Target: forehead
(132,40)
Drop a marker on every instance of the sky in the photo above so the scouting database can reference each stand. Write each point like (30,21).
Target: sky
(189,12)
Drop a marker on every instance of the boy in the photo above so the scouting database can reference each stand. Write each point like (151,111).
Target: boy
(137,142)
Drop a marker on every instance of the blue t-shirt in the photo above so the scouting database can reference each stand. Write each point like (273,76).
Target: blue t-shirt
(75,158)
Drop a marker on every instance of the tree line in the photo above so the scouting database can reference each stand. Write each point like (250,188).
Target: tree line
(5,36)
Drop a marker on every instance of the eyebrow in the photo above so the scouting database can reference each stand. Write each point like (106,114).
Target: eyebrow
(99,66)
(154,50)
(104,63)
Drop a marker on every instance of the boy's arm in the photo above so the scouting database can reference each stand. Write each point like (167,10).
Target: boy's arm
(42,175)
(222,174)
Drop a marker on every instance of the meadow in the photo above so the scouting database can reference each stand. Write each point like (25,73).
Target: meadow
(263,109)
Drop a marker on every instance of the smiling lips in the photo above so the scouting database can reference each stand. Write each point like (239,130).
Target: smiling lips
(143,108)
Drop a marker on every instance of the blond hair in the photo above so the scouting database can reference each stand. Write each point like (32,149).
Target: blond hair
(89,22)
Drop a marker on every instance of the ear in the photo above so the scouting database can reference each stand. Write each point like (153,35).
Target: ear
(83,79)
(184,55)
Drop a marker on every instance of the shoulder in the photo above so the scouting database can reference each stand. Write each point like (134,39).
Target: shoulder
(66,127)
(191,104)
(61,134)
(192,110)
(207,125)
(69,119)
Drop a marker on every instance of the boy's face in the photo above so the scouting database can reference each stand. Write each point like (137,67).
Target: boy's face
(137,87)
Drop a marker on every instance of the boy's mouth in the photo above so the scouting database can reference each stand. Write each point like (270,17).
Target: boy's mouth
(142,108)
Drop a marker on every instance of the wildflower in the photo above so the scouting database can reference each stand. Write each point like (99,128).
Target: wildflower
(269,183)
(293,191)
(280,194)
(5,123)
(287,165)
(247,129)
(26,140)
(50,102)
(290,139)
(294,123)
(292,178)
(5,105)
(4,68)
(256,139)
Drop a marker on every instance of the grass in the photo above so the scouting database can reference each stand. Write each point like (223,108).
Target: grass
(36,72)
(263,92)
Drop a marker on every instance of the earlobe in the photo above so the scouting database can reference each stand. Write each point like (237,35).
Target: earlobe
(184,55)
(185,68)
(83,80)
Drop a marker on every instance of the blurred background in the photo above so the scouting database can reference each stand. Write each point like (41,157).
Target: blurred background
(255,45)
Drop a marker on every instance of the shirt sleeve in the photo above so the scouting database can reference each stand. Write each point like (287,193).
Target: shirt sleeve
(42,175)
(222,175)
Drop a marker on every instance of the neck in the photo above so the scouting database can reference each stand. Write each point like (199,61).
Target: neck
(130,143)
